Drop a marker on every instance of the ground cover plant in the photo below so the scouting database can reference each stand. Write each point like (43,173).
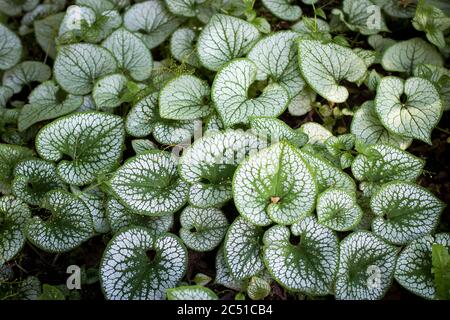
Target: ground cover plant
(224,149)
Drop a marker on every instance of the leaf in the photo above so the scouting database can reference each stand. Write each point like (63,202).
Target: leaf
(283,9)
(243,249)
(77,66)
(202,229)
(432,21)
(50,293)
(11,48)
(47,101)
(13,215)
(25,73)
(309,266)
(366,267)
(120,217)
(223,273)
(109,90)
(132,55)
(282,47)
(232,101)
(69,224)
(317,134)
(94,199)
(45,32)
(173,133)
(414,265)
(367,127)
(11,8)
(441,263)
(142,145)
(149,184)
(310,25)
(404,212)
(182,46)
(185,8)
(405,55)
(184,98)
(397,9)
(383,163)
(10,155)
(150,266)
(338,210)
(323,66)
(33,178)
(209,163)
(92,141)
(274,185)
(362,16)
(223,39)
(326,174)
(276,130)
(300,104)
(191,293)
(29,289)
(440,77)
(152,21)
(411,108)
(258,288)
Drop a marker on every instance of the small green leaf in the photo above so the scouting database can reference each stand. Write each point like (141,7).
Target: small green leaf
(223,39)
(410,108)
(92,140)
(309,266)
(13,215)
(274,185)
(230,94)
(51,293)
(432,21)
(149,267)
(405,211)
(191,293)
(69,224)
(149,184)
(258,288)
(202,229)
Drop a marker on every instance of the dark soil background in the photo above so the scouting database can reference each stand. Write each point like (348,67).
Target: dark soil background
(51,268)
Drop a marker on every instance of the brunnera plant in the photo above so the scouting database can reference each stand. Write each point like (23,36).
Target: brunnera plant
(270,135)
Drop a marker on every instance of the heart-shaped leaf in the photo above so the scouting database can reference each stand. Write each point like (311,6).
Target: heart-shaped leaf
(223,39)
(243,249)
(405,211)
(367,127)
(202,229)
(323,66)
(223,273)
(120,217)
(152,21)
(47,101)
(230,94)
(13,215)
(184,98)
(108,91)
(283,9)
(11,48)
(366,267)
(149,184)
(182,46)
(326,174)
(403,56)
(132,55)
(338,210)
(309,266)
(136,265)
(77,66)
(25,73)
(258,288)
(282,47)
(277,130)
(208,165)
(191,293)
(362,16)
(69,224)
(414,264)
(383,163)
(93,142)
(274,185)
(411,108)
(10,156)
(33,178)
